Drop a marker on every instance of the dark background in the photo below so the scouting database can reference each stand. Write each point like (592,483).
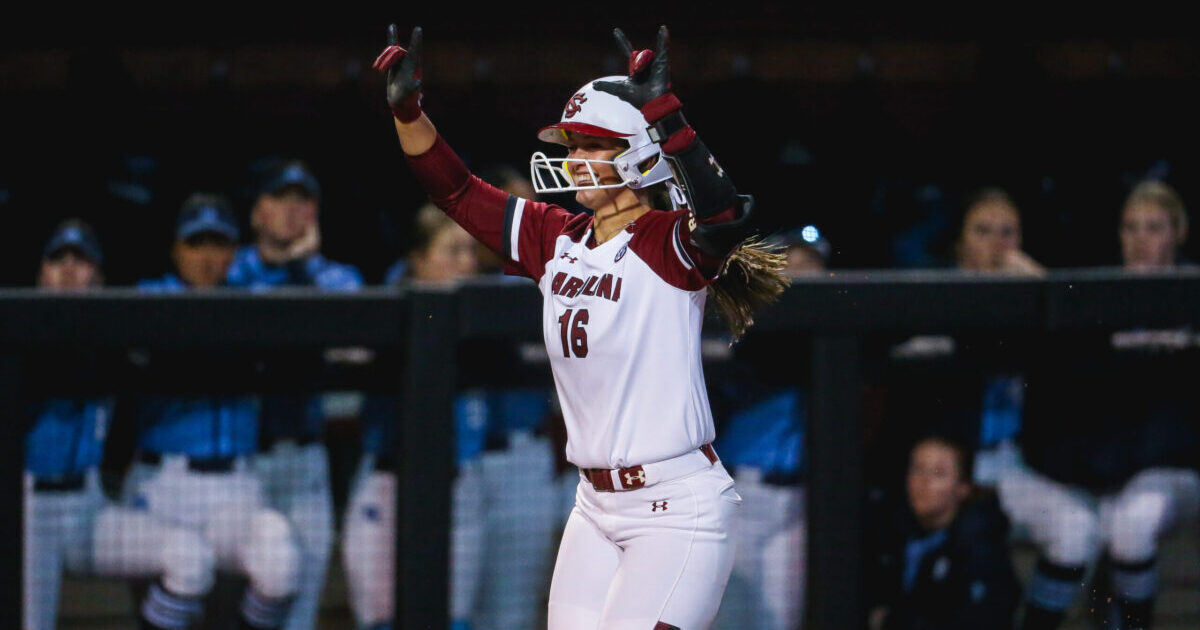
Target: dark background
(872,124)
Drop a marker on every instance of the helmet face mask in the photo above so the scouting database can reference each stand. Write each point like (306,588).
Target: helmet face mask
(591,112)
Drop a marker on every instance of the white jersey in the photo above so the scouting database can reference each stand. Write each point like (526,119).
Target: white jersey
(621,321)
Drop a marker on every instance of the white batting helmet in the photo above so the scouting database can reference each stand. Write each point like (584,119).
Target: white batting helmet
(591,112)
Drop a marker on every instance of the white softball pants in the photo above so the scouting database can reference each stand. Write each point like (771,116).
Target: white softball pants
(630,560)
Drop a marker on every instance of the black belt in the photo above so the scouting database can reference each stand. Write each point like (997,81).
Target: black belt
(64,483)
(212,464)
(782,479)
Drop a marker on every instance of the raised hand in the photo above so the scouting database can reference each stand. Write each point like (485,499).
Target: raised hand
(403,69)
(649,81)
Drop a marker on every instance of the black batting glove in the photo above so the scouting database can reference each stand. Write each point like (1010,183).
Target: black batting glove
(648,87)
(403,69)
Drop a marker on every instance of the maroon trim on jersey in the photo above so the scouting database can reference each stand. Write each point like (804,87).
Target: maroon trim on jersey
(482,210)
(665,626)
(440,171)
(655,240)
(541,225)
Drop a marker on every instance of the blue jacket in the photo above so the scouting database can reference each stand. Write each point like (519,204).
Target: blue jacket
(201,427)
(291,416)
(768,435)
(67,436)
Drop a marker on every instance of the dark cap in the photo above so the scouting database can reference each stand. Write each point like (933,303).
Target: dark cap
(206,213)
(75,234)
(808,236)
(292,174)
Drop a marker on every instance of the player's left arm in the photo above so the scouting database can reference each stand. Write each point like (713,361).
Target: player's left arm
(722,216)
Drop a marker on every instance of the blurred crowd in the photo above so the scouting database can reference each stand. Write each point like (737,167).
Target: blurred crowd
(1086,455)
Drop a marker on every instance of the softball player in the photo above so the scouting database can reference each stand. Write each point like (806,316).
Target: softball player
(194,451)
(294,464)
(648,544)
(68,522)
(1109,438)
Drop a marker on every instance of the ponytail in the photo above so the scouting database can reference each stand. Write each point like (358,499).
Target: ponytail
(753,278)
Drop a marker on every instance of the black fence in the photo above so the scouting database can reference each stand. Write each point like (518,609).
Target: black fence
(425,327)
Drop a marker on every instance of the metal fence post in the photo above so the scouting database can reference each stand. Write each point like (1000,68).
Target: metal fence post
(426,467)
(836,485)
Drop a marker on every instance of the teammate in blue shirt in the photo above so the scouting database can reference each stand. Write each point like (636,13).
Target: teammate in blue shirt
(293,461)
(69,524)
(195,450)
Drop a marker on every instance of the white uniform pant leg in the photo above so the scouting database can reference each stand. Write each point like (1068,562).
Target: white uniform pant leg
(368,545)
(43,558)
(297,483)
(1147,507)
(522,518)
(131,543)
(1063,523)
(468,539)
(227,508)
(673,563)
(587,561)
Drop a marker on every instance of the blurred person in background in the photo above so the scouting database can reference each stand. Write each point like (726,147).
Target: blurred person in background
(990,239)
(503,514)
(193,464)
(940,558)
(1154,226)
(442,254)
(1110,438)
(69,523)
(762,442)
(293,461)
(976,381)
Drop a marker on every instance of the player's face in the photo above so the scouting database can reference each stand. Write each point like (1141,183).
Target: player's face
(594,148)
(936,486)
(68,270)
(285,216)
(1148,240)
(990,230)
(451,256)
(203,260)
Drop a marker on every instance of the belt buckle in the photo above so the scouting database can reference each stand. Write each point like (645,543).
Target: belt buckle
(632,478)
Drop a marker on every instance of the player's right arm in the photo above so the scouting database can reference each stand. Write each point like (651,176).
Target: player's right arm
(522,231)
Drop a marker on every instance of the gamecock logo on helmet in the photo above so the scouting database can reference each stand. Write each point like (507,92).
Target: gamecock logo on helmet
(574,105)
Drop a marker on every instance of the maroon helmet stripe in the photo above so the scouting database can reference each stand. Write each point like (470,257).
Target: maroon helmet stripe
(580,128)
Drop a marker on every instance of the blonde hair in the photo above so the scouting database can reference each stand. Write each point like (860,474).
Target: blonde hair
(752,278)
(429,223)
(1162,195)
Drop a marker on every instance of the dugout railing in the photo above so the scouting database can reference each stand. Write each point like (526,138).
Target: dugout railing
(426,326)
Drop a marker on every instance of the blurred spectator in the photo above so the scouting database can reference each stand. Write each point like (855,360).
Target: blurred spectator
(502,176)
(69,524)
(193,464)
(940,561)
(762,443)
(294,462)
(1110,438)
(990,240)
(974,382)
(1153,228)
(504,506)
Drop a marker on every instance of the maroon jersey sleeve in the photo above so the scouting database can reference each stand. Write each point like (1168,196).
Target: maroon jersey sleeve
(663,240)
(520,230)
